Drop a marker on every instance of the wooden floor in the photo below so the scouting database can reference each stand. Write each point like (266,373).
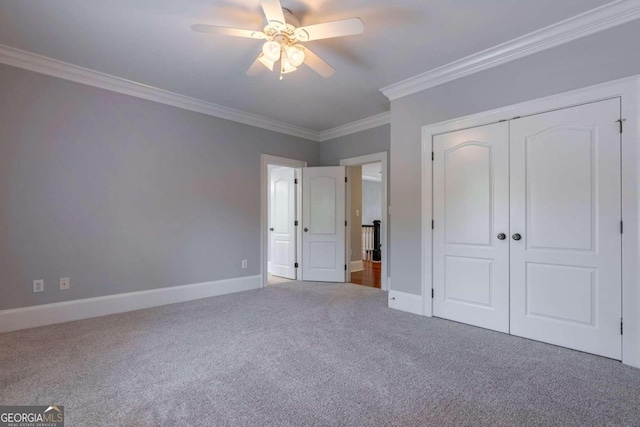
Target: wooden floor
(369,276)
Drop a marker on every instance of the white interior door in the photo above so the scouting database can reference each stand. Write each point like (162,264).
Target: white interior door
(323,222)
(282,230)
(471,222)
(566,208)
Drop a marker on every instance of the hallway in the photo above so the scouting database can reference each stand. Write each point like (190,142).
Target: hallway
(369,276)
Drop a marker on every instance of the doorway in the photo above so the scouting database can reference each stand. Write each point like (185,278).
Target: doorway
(303,222)
(367,247)
(365,216)
(282,220)
(280,209)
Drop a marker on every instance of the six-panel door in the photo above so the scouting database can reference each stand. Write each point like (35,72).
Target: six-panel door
(566,279)
(471,216)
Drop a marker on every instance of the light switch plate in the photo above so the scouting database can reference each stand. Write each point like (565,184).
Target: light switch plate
(65,283)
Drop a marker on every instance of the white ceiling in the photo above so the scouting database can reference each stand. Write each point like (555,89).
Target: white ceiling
(150,42)
(372,171)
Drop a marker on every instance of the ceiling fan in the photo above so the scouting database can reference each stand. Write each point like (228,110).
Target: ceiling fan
(283,40)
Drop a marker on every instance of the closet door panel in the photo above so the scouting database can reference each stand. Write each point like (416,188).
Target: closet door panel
(566,206)
(471,209)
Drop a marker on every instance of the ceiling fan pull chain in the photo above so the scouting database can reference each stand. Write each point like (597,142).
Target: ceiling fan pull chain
(281,61)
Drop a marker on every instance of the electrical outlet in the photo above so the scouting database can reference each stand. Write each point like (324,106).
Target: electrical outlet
(244,263)
(65,283)
(38,286)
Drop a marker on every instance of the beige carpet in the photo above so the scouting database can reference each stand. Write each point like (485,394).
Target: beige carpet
(306,355)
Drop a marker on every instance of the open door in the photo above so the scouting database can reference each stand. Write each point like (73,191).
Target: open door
(282,217)
(323,222)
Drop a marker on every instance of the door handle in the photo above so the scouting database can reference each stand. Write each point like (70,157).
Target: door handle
(502,236)
(306,229)
(271,229)
(516,237)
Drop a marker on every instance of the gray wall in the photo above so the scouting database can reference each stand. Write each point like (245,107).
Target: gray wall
(355,178)
(602,57)
(122,194)
(370,141)
(371,201)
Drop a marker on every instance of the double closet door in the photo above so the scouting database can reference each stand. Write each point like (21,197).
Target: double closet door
(527,227)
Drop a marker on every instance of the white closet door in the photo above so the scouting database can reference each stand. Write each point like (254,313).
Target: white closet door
(565,205)
(471,215)
(282,231)
(323,213)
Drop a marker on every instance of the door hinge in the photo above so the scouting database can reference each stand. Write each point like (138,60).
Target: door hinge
(346,179)
(345,223)
(345,267)
(433,156)
(296,265)
(621,123)
(432,293)
(295,223)
(621,324)
(621,227)
(295,181)
(433,225)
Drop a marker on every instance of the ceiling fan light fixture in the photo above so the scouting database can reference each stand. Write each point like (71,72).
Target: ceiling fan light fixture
(296,55)
(272,51)
(287,66)
(283,49)
(267,62)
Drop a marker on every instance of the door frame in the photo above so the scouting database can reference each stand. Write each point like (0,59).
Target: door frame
(359,161)
(628,90)
(267,160)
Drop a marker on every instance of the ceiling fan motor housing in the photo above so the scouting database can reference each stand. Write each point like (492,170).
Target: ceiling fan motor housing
(290,18)
(275,30)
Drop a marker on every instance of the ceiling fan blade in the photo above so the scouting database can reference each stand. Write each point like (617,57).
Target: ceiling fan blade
(256,68)
(273,11)
(318,65)
(344,27)
(226,31)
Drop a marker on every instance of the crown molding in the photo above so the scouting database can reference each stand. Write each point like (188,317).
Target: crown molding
(64,70)
(52,67)
(357,126)
(590,22)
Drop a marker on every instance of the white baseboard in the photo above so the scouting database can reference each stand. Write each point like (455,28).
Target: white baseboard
(356,266)
(406,302)
(49,314)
